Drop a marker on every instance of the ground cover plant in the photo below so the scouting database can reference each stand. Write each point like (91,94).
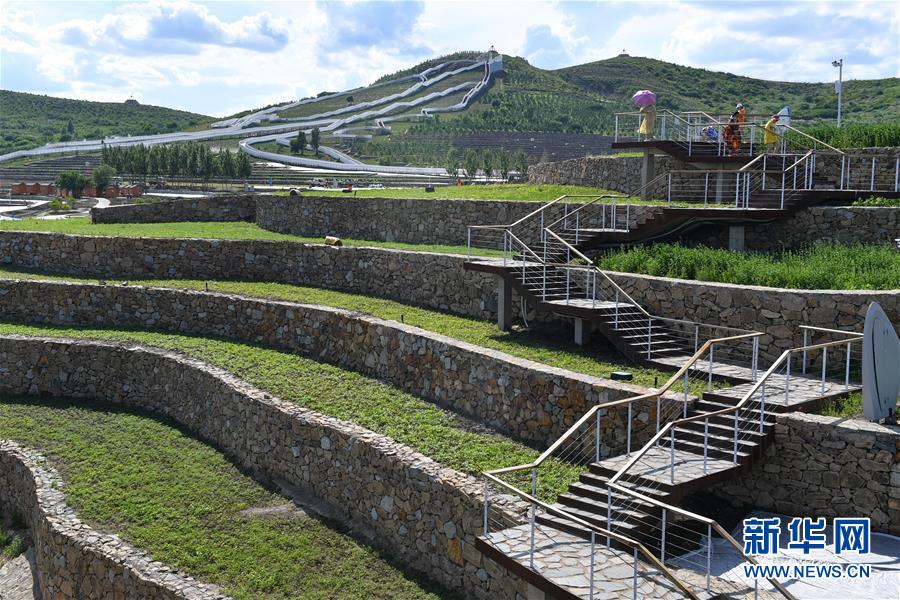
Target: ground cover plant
(178,498)
(549,344)
(211,230)
(437,433)
(878,201)
(820,266)
(500,191)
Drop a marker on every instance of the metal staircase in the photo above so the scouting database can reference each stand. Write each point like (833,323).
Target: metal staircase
(623,510)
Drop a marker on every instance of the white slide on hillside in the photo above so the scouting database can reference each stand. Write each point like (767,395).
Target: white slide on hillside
(388,108)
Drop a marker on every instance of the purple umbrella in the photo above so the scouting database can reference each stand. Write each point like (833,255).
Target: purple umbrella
(644,98)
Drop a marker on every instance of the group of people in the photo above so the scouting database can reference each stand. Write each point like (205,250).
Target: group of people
(732,134)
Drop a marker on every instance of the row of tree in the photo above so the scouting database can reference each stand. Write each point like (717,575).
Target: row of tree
(489,161)
(190,159)
(298,144)
(74,182)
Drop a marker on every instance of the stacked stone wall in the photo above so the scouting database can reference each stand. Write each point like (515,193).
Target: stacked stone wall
(211,208)
(72,560)
(821,466)
(425,515)
(526,400)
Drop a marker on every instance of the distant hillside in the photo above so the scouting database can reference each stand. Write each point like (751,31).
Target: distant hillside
(687,88)
(29,120)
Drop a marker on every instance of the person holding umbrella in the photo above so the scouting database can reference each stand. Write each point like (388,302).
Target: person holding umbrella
(646,100)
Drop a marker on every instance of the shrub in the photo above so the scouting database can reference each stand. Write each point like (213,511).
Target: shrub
(821,266)
(72,181)
(878,201)
(102,176)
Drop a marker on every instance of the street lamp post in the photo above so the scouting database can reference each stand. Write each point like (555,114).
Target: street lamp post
(840,86)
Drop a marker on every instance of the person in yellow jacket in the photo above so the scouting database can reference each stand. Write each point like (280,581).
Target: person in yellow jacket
(648,122)
(771,137)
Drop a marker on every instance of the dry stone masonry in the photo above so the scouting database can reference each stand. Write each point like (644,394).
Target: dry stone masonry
(425,515)
(218,208)
(72,560)
(526,400)
(826,467)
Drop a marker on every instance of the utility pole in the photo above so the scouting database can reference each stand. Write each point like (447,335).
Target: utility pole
(840,85)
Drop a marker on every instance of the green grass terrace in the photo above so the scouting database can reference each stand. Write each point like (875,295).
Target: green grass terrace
(168,493)
(209,230)
(822,266)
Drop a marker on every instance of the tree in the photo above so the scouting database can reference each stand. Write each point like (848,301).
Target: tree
(470,162)
(102,175)
(487,162)
(70,127)
(452,162)
(521,163)
(226,164)
(73,181)
(314,141)
(301,141)
(503,160)
(244,168)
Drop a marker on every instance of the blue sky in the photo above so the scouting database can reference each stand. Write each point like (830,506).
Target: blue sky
(221,57)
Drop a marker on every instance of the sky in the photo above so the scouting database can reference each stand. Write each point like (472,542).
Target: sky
(218,58)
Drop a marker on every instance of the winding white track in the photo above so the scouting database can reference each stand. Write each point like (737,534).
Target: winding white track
(382,110)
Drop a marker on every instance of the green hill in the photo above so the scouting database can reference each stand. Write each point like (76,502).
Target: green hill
(29,120)
(688,88)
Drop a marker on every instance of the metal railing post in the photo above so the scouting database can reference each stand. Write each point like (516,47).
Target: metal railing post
(594,293)
(597,439)
(847,369)
(577,215)
(634,583)
(755,357)
(662,544)
(765,157)
(544,279)
(705,443)
(897,175)
(737,189)
(567,285)
(612,214)
(616,134)
(843,162)
(672,455)
(685,403)
(782,190)
(658,415)
(469,244)
(706,188)
(696,338)
(504,248)
(487,507)
(609,523)
(805,344)
(736,411)
(669,188)
(628,433)
(591,567)
(616,323)
(872,184)
(649,336)
(533,515)
(627,215)
(708,553)
(824,361)
(787,381)
(762,408)
(709,384)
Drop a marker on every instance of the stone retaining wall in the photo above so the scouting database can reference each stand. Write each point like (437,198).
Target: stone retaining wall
(526,400)
(425,279)
(622,173)
(825,467)
(72,560)
(844,224)
(423,514)
(214,208)
(776,312)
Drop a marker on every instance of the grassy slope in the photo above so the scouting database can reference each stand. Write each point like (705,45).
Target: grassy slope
(342,394)
(29,120)
(181,500)
(211,230)
(822,266)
